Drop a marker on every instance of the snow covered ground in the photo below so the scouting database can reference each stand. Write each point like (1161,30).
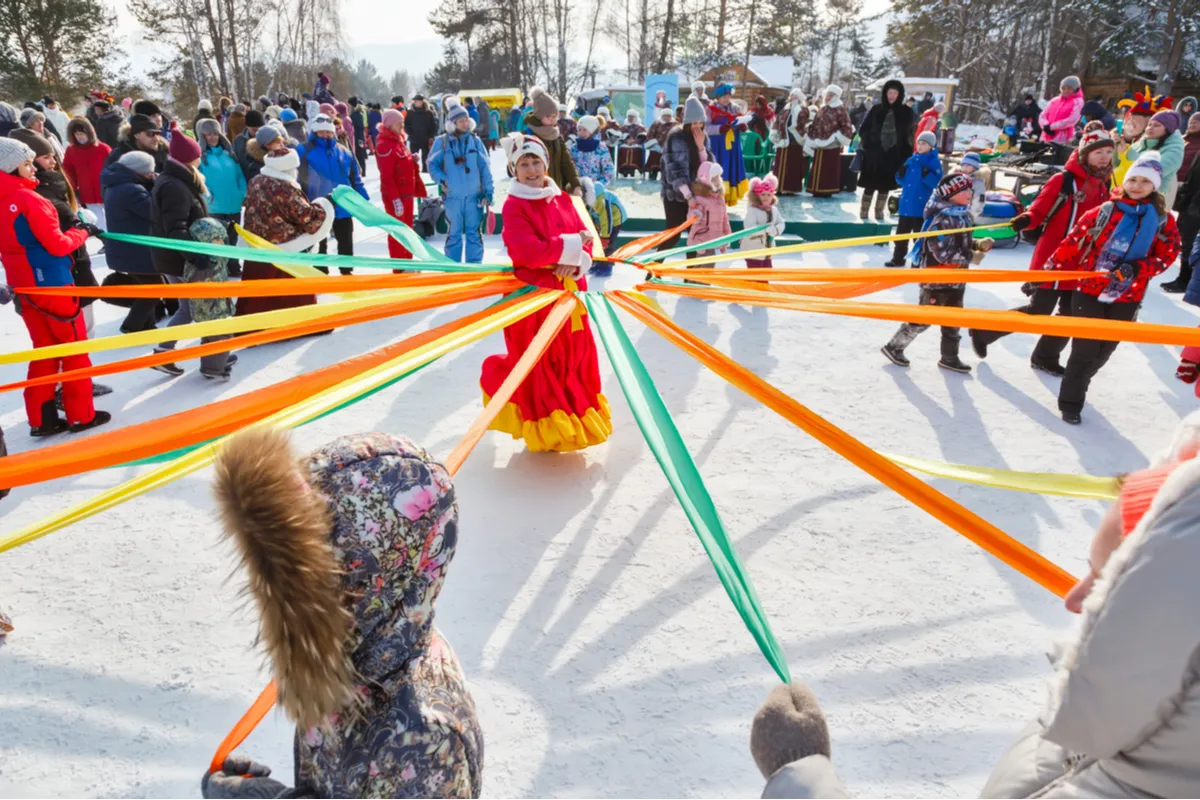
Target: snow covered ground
(602,653)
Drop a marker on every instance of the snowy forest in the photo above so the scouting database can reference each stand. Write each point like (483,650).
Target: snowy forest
(998,50)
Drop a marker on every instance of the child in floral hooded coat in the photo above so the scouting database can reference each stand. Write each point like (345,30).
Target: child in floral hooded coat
(347,550)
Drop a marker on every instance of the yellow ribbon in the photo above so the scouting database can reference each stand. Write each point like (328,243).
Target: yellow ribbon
(1052,483)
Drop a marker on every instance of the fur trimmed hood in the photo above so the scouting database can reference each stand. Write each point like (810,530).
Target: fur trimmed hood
(78,124)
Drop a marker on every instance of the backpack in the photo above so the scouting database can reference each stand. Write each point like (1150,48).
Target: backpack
(431,210)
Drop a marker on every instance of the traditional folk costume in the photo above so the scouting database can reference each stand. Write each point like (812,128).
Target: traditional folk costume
(788,134)
(830,131)
(559,406)
(723,128)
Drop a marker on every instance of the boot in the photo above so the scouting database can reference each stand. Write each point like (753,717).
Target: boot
(99,419)
(950,359)
(865,208)
(52,423)
(895,355)
(880,206)
(978,344)
(1049,367)
(1180,284)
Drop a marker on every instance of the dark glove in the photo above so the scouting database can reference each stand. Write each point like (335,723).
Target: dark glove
(241,778)
(201,263)
(1125,271)
(92,230)
(1028,289)
(1020,222)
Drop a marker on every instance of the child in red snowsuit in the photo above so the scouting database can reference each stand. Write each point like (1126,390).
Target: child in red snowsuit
(399,175)
(35,252)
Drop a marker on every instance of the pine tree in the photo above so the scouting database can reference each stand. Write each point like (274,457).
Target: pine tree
(58,46)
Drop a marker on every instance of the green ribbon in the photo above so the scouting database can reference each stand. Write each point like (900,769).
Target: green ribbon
(373,217)
(676,462)
(182,451)
(301,259)
(643,258)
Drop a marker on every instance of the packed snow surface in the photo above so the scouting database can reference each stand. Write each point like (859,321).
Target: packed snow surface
(602,653)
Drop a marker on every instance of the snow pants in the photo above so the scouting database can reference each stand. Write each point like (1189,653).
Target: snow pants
(57,320)
(949,298)
(1043,302)
(464,215)
(1089,355)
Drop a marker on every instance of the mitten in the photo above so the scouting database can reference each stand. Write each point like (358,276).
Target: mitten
(1188,371)
(241,778)
(789,726)
(92,230)
(1020,222)
(398,208)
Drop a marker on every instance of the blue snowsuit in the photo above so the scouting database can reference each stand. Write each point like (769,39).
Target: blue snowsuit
(918,178)
(325,165)
(460,163)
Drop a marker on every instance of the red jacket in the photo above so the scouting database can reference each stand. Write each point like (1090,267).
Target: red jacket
(1087,193)
(399,175)
(83,163)
(540,234)
(32,248)
(1080,250)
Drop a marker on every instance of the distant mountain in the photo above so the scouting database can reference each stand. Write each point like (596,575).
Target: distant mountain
(417,57)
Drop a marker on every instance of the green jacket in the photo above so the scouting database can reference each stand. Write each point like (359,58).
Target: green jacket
(1169,149)
(561,168)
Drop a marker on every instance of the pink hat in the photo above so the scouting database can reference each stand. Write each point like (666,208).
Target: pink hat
(342,109)
(764,185)
(391,117)
(327,108)
(183,148)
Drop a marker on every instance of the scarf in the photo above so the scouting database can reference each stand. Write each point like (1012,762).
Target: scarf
(1129,242)
(721,116)
(284,167)
(587,145)
(547,133)
(962,219)
(522,192)
(887,134)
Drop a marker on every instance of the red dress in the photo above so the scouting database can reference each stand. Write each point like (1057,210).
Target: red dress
(559,406)
(399,182)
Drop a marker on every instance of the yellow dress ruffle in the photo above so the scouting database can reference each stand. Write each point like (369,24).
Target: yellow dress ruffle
(560,432)
(734,194)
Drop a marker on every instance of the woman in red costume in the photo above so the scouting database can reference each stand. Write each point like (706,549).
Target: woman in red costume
(559,405)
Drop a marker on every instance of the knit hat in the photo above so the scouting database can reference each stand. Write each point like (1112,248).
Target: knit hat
(139,161)
(763,185)
(146,107)
(454,114)
(722,90)
(207,126)
(183,149)
(140,123)
(939,107)
(322,122)
(391,117)
(1169,119)
(562,108)
(971,160)
(267,134)
(327,109)
(1148,166)
(204,105)
(255,118)
(1071,82)
(13,153)
(1094,137)
(544,104)
(693,111)
(342,109)
(35,141)
(273,112)
(928,138)
(28,115)
(517,145)
(602,112)
(952,184)
(589,123)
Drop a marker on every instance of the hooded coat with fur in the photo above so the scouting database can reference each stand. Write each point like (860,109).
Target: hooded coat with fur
(84,162)
(1123,716)
(886,140)
(346,557)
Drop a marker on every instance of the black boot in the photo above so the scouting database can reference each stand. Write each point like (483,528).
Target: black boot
(1177,286)
(895,355)
(950,359)
(52,423)
(1049,367)
(978,344)
(101,418)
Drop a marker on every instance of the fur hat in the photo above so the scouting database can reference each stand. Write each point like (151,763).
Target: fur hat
(207,126)
(789,726)
(516,145)
(1169,119)
(602,111)
(971,160)
(140,123)
(710,173)
(544,104)
(36,142)
(255,118)
(183,149)
(13,153)
(1094,137)
(322,122)
(1149,166)
(798,94)
(952,184)
(139,161)
(693,111)
(267,134)
(589,190)
(832,89)
(204,105)
(698,87)
(589,123)
(929,138)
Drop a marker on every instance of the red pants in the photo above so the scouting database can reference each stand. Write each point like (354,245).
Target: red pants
(395,249)
(55,325)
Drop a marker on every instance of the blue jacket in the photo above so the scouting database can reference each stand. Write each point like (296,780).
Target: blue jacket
(224,178)
(325,165)
(373,119)
(470,178)
(918,177)
(126,210)
(514,119)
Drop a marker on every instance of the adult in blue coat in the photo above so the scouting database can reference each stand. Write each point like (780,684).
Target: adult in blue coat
(459,162)
(126,184)
(324,166)
(225,180)
(918,177)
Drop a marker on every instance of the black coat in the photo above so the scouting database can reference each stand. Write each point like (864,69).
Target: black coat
(127,146)
(421,126)
(127,210)
(1027,111)
(879,163)
(108,127)
(175,203)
